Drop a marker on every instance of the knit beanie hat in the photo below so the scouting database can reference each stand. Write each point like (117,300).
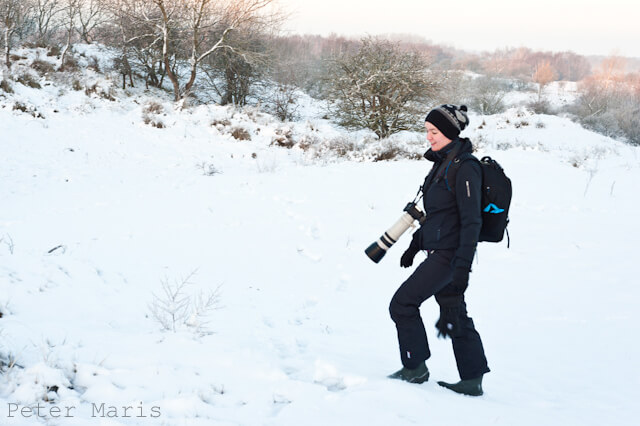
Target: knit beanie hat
(449,119)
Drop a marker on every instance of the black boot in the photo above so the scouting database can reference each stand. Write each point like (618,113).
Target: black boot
(418,375)
(472,387)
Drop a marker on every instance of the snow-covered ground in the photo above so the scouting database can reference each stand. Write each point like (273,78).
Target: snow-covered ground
(100,213)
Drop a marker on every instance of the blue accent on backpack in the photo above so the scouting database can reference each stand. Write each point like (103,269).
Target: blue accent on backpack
(492,208)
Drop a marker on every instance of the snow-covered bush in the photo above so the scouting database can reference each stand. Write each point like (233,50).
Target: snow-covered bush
(486,95)
(28,80)
(150,114)
(241,134)
(42,67)
(381,87)
(541,106)
(609,105)
(97,89)
(283,102)
(283,137)
(27,109)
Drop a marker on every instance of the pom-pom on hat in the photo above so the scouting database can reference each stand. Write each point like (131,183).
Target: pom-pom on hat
(449,119)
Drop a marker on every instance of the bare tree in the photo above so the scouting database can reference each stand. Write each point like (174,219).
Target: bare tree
(570,66)
(131,28)
(69,12)
(233,72)
(611,70)
(91,14)
(46,13)
(13,14)
(201,27)
(543,75)
(381,88)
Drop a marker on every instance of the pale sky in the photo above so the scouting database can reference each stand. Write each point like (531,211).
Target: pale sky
(599,27)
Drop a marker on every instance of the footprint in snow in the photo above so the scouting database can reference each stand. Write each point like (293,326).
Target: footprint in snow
(328,376)
(311,256)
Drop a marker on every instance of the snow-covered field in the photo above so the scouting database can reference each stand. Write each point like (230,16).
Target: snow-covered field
(100,213)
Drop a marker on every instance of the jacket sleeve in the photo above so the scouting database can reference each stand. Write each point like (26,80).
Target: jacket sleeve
(468,197)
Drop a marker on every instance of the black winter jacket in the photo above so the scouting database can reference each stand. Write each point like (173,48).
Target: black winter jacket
(452,208)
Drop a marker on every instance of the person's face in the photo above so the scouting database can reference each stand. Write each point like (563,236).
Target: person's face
(435,137)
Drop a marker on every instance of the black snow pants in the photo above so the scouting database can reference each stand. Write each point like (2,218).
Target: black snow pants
(430,278)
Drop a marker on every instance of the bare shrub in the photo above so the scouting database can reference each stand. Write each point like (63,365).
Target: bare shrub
(220,124)
(339,146)
(54,51)
(96,89)
(209,169)
(283,138)
(486,95)
(153,107)
(282,99)
(28,80)
(94,64)
(19,106)
(240,134)
(70,64)
(176,309)
(307,141)
(7,362)
(504,146)
(6,86)
(283,102)
(628,121)
(152,121)
(608,104)
(541,106)
(389,153)
(43,67)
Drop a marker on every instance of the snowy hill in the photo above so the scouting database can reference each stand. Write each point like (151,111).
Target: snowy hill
(282,319)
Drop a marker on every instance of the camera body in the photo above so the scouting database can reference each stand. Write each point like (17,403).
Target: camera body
(378,249)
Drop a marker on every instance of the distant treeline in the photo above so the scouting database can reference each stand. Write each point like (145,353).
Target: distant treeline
(233,52)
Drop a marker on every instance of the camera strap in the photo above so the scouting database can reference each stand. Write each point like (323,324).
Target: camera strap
(418,196)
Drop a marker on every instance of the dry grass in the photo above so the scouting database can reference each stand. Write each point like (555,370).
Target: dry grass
(240,134)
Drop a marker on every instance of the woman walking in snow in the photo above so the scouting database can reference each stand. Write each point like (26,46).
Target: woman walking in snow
(451,197)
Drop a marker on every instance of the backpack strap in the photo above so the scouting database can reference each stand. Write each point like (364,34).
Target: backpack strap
(454,166)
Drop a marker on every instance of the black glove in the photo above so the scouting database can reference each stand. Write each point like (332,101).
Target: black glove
(407,257)
(449,320)
(414,247)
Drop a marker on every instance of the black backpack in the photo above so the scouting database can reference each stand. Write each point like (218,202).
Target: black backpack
(496,198)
